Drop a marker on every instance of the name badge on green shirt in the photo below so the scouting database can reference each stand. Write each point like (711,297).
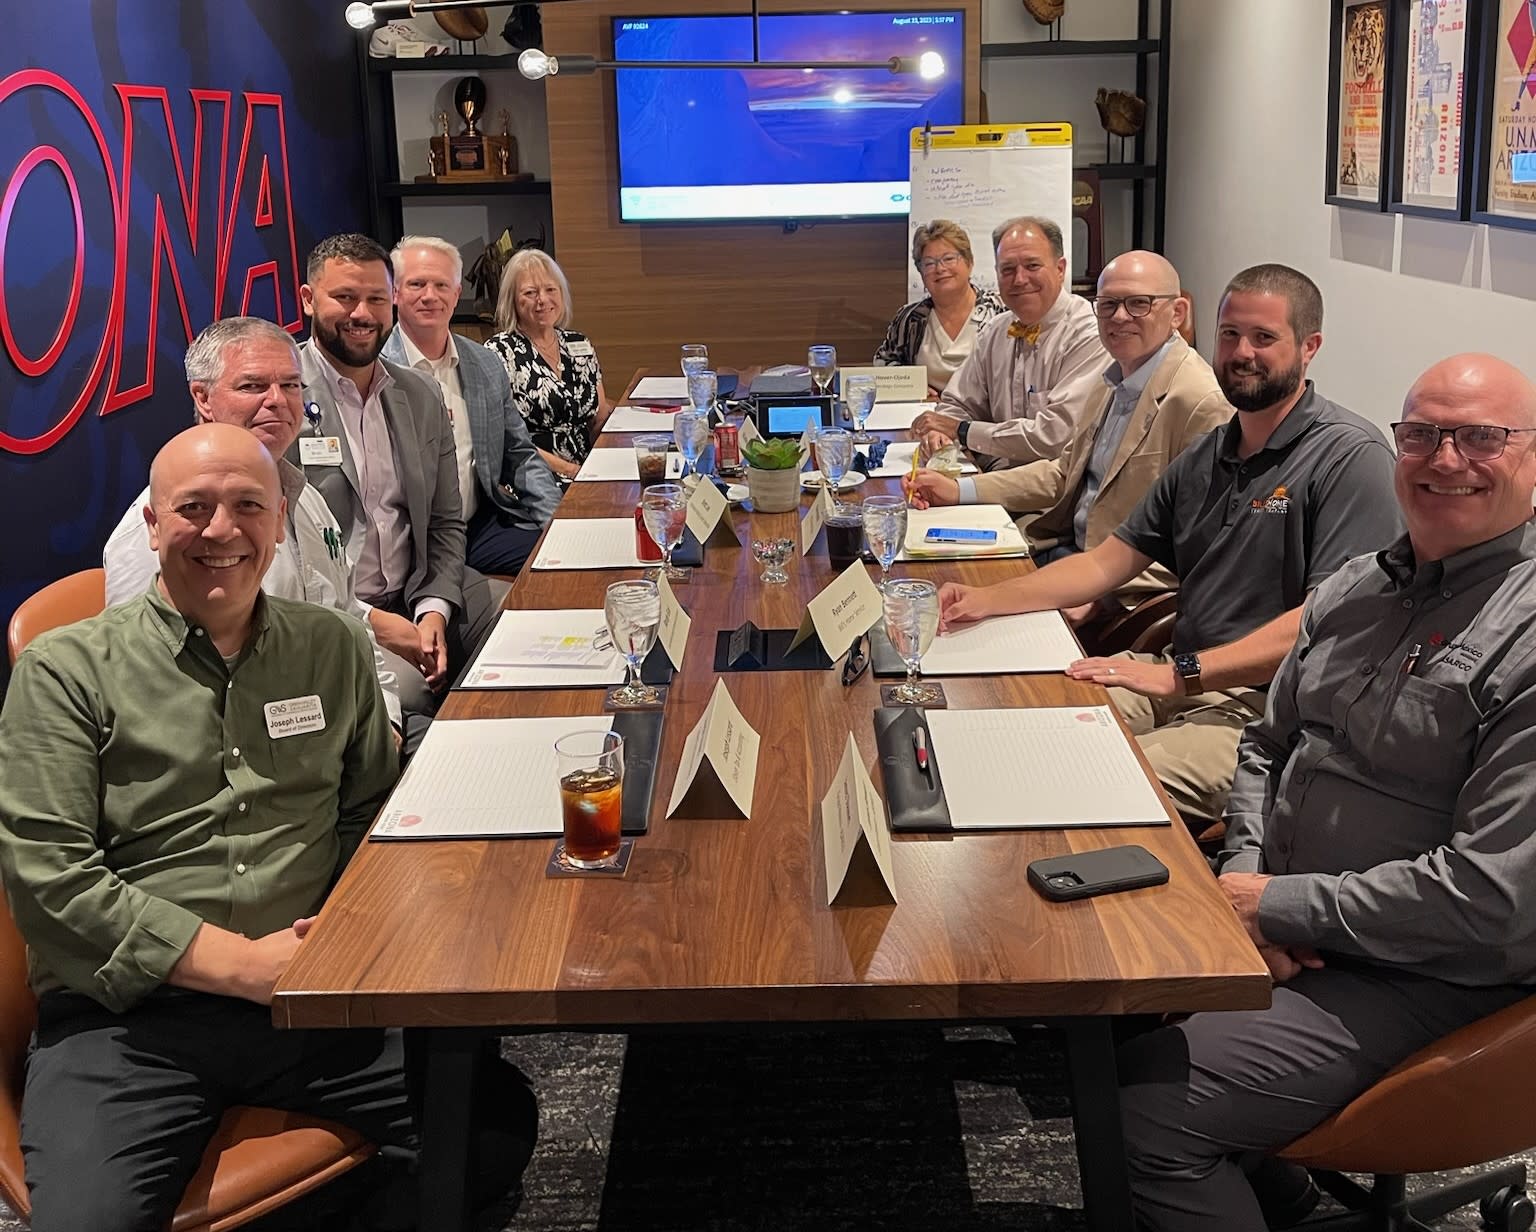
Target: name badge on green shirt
(296,715)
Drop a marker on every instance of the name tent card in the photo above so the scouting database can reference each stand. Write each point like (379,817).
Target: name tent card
(748,432)
(899,383)
(847,607)
(815,518)
(855,843)
(719,754)
(706,514)
(672,633)
(806,438)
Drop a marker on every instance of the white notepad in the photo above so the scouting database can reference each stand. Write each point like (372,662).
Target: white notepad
(898,461)
(483,778)
(896,416)
(1052,766)
(661,389)
(1028,642)
(639,419)
(618,465)
(588,543)
(1009,541)
(546,649)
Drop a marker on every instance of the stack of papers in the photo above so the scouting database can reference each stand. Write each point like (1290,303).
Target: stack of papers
(639,419)
(1009,541)
(1048,766)
(1029,642)
(483,778)
(589,543)
(552,649)
(898,461)
(661,389)
(619,465)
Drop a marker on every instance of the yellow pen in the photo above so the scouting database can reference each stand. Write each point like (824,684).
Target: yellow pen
(912,478)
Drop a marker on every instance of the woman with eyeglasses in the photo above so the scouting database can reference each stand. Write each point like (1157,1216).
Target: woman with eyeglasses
(939,330)
(557,383)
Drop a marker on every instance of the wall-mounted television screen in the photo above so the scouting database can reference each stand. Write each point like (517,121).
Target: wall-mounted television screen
(778,143)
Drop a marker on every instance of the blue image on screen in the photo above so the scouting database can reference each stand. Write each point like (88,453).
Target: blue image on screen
(1522,167)
(680,128)
(792,420)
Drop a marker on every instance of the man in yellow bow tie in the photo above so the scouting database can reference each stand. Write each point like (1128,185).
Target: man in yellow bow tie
(1034,373)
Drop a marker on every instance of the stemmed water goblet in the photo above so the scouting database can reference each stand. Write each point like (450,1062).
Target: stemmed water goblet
(664,509)
(822,361)
(911,610)
(834,454)
(859,394)
(885,527)
(695,358)
(690,429)
(632,610)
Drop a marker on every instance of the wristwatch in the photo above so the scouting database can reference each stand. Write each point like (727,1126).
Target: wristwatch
(963,432)
(1187,666)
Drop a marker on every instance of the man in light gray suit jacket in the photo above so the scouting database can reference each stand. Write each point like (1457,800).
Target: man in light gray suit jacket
(508,491)
(379,448)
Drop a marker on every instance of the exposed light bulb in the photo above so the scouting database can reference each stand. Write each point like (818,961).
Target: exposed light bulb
(535,65)
(360,15)
(930,65)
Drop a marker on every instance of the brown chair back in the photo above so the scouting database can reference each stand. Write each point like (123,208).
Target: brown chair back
(63,602)
(18,1015)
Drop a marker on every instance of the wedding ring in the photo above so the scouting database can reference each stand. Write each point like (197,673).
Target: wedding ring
(1111,671)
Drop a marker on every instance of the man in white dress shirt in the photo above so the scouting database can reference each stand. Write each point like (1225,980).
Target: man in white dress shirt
(245,371)
(1034,374)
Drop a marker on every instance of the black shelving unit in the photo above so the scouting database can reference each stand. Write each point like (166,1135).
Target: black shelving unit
(389,189)
(1144,47)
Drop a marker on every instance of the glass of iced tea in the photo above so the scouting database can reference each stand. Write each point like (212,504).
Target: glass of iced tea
(591,769)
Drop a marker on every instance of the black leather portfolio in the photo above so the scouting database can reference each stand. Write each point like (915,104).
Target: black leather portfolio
(915,798)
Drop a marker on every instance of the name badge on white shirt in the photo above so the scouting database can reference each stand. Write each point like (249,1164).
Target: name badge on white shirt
(294,716)
(320,450)
(579,350)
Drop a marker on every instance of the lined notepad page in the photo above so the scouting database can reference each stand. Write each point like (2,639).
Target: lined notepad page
(898,461)
(1052,766)
(483,778)
(549,649)
(1009,542)
(588,543)
(639,419)
(1028,642)
(661,388)
(618,464)
(896,416)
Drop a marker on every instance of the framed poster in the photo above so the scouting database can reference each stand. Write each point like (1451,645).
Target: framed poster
(1432,125)
(1358,68)
(1505,189)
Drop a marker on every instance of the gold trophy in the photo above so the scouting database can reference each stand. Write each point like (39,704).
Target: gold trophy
(467,151)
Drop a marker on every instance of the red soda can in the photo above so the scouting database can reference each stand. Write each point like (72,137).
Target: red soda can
(727,448)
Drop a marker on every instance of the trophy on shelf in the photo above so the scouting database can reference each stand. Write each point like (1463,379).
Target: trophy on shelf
(471,154)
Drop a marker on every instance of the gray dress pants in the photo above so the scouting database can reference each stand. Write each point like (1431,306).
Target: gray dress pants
(1197,1094)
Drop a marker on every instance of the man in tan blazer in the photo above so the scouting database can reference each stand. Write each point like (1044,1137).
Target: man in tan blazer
(1159,396)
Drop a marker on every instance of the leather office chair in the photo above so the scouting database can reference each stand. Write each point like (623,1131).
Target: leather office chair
(1146,628)
(63,602)
(1460,1102)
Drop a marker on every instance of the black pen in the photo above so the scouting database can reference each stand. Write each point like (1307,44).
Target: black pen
(920,748)
(1412,659)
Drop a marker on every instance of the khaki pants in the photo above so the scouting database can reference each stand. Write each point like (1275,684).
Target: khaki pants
(1190,741)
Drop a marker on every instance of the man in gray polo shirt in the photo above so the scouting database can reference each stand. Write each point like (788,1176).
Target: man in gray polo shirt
(1249,518)
(1379,849)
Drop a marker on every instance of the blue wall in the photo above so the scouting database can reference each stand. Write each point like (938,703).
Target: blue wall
(162,163)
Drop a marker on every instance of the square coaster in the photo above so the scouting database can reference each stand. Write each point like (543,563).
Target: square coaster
(612,707)
(615,867)
(933,696)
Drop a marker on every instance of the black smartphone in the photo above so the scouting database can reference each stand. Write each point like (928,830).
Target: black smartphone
(1097,872)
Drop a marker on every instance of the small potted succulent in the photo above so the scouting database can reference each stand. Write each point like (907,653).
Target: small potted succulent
(773,473)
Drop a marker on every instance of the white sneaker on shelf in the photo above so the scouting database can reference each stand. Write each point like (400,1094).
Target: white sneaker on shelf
(386,40)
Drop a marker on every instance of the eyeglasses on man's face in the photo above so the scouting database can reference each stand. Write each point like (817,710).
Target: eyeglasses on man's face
(1106,306)
(929,264)
(1474,442)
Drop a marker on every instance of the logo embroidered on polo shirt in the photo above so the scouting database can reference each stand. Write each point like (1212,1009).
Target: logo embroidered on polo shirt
(1277,502)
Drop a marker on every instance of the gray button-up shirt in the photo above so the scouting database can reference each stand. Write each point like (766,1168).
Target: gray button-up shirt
(1248,538)
(1106,441)
(1389,787)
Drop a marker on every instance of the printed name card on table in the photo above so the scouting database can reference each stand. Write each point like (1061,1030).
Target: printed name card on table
(898,383)
(815,518)
(748,432)
(720,752)
(672,632)
(847,607)
(855,843)
(806,438)
(706,514)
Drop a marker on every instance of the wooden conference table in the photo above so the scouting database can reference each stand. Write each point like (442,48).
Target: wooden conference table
(724,921)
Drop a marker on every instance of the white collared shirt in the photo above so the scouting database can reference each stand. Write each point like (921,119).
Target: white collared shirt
(445,372)
(384,563)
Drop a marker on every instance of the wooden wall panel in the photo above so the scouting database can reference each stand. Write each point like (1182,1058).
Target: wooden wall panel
(750,291)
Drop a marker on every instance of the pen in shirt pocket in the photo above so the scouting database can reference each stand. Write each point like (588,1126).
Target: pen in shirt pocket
(1411,659)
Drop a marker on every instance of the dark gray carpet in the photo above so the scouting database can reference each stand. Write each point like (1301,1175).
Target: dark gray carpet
(796,1131)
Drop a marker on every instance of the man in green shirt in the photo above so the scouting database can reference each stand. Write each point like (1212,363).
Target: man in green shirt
(182,779)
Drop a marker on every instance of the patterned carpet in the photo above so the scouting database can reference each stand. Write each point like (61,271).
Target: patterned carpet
(797,1131)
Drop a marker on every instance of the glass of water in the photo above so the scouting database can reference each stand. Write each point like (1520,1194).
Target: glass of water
(632,611)
(911,610)
(885,527)
(834,455)
(664,507)
(695,358)
(822,361)
(859,394)
(690,430)
(701,392)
